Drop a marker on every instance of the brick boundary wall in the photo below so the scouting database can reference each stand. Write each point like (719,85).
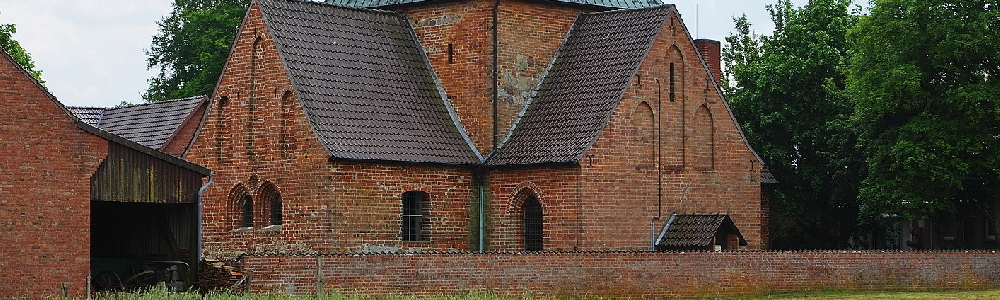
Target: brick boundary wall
(623,274)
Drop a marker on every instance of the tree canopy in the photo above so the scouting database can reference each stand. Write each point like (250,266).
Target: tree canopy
(926,78)
(192,46)
(14,49)
(788,92)
(864,119)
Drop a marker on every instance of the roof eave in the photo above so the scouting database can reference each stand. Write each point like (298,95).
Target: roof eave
(404,162)
(146,150)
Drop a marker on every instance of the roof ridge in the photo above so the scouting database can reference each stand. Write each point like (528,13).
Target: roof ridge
(158,102)
(326,3)
(628,9)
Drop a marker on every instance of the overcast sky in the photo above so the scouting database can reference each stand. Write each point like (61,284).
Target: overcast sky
(91,52)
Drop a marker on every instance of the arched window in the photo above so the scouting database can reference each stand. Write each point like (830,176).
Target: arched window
(275,208)
(271,206)
(415,223)
(533,223)
(247,220)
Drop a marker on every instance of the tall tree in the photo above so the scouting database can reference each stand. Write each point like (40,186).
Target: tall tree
(926,76)
(192,46)
(14,49)
(787,90)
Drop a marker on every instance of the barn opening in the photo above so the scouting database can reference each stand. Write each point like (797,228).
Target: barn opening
(144,220)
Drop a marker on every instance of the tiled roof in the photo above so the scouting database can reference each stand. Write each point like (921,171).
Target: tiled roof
(601,3)
(150,124)
(87,114)
(366,84)
(695,230)
(767,177)
(582,88)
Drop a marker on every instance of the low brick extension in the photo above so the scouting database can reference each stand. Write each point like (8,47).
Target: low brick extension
(623,274)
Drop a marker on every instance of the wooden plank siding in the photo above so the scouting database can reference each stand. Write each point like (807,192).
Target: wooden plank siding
(128,175)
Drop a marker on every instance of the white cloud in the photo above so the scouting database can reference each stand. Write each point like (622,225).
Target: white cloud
(91,52)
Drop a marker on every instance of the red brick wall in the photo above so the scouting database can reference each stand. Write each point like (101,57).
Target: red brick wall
(181,139)
(45,166)
(529,34)
(263,139)
(639,274)
(467,78)
(610,200)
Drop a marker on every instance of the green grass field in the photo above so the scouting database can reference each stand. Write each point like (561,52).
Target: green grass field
(847,295)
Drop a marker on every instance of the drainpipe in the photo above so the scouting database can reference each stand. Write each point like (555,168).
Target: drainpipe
(201,193)
(659,165)
(496,73)
(482,216)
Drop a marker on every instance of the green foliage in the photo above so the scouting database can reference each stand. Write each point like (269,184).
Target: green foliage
(192,46)
(926,78)
(788,92)
(14,49)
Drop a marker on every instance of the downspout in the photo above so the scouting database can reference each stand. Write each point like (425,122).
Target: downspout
(659,165)
(659,150)
(482,214)
(496,73)
(201,193)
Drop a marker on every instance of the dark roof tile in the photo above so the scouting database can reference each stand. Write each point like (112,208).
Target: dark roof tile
(583,86)
(695,230)
(366,84)
(150,124)
(90,115)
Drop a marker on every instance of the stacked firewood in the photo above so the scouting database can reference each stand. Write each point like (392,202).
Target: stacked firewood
(220,277)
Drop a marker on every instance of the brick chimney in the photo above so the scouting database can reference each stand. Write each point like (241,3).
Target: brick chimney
(711,52)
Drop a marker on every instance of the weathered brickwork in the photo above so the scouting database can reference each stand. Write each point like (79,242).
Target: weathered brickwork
(181,139)
(258,141)
(529,35)
(623,185)
(45,170)
(670,146)
(458,39)
(622,274)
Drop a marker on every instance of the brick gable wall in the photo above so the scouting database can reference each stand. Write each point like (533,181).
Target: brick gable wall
(261,141)
(611,199)
(45,171)
(529,35)
(708,166)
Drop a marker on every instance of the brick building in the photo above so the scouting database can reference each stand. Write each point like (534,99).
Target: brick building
(505,125)
(76,200)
